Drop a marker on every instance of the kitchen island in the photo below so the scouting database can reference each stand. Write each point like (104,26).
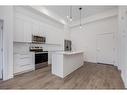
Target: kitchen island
(64,63)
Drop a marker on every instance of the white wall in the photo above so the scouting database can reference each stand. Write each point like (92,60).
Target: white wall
(85,38)
(1,46)
(6,14)
(122,43)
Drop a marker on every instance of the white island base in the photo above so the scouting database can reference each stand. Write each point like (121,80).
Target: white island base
(64,63)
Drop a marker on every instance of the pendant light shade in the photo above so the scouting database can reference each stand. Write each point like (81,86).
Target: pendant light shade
(69,16)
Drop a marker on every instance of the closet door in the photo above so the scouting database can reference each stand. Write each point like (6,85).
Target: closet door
(105,48)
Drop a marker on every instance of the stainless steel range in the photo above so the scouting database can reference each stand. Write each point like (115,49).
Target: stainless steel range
(41,60)
(41,57)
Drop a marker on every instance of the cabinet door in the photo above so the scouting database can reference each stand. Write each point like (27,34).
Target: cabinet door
(42,30)
(23,29)
(27,31)
(23,63)
(19,30)
(16,62)
(35,29)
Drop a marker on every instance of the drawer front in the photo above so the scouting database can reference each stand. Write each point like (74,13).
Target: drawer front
(23,63)
(23,56)
(23,68)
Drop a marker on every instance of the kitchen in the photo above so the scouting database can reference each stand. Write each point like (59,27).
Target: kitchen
(45,43)
(33,50)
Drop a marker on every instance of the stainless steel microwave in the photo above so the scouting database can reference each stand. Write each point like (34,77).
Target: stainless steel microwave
(38,39)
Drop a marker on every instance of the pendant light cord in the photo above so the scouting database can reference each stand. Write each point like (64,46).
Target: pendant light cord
(71,13)
(80,16)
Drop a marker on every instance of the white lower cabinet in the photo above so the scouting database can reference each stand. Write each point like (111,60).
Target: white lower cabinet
(23,63)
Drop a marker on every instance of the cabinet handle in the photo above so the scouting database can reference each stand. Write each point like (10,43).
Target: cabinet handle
(24,57)
(25,65)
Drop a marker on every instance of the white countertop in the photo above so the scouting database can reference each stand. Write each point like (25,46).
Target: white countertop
(68,52)
(56,52)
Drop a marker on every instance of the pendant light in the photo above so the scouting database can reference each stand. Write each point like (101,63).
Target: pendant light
(70,13)
(80,10)
(69,17)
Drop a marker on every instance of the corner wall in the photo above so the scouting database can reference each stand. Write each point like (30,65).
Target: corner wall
(122,35)
(84,39)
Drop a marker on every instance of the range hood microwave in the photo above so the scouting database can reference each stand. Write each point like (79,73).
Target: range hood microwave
(38,39)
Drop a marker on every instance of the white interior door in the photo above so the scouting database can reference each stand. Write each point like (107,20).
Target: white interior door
(105,48)
(1,52)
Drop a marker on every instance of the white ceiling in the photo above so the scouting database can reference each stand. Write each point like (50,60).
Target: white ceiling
(60,13)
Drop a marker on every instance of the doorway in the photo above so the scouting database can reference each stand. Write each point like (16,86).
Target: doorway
(106,48)
(1,49)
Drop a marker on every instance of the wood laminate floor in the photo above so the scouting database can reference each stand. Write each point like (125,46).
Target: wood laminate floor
(0,81)
(89,76)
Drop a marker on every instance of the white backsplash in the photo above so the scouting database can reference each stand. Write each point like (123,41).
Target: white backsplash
(24,47)
(21,47)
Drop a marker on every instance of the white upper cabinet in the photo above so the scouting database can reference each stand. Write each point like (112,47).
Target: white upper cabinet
(18,30)
(27,24)
(27,31)
(22,30)
(35,28)
(42,30)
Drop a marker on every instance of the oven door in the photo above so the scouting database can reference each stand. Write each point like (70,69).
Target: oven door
(41,60)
